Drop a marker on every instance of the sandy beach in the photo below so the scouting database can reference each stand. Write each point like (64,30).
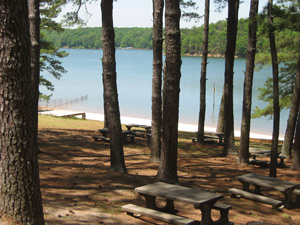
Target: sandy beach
(132,120)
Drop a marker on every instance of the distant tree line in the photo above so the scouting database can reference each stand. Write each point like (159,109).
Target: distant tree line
(141,38)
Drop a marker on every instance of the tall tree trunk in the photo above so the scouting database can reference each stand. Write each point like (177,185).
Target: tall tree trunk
(250,58)
(201,123)
(168,164)
(296,147)
(286,149)
(158,6)
(276,108)
(20,196)
(34,25)
(232,24)
(117,162)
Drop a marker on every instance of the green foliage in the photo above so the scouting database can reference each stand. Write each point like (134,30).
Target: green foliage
(49,53)
(141,38)
(287,41)
(90,38)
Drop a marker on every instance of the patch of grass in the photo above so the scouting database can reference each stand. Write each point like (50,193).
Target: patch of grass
(46,121)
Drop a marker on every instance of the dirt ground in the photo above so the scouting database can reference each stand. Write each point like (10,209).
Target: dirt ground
(78,188)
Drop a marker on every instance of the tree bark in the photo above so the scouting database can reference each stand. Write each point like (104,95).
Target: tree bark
(232,24)
(167,171)
(158,6)
(296,147)
(221,116)
(286,149)
(248,83)
(201,123)
(20,196)
(34,25)
(117,162)
(276,108)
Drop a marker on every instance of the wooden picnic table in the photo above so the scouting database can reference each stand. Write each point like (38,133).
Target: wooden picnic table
(146,127)
(263,152)
(202,200)
(259,181)
(125,134)
(212,137)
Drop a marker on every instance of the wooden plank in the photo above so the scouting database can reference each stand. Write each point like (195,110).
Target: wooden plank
(296,192)
(166,217)
(261,163)
(221,206)
(101,138)
(256,197)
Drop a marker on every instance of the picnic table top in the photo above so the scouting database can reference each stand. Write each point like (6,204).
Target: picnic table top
(137,125)
(106,130)
(268,182)
(178,193)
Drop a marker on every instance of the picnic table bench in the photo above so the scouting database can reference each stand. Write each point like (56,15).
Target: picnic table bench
(203,200)
(259,181)
(263,152)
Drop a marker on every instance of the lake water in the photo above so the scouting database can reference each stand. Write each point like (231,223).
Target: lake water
(134,77)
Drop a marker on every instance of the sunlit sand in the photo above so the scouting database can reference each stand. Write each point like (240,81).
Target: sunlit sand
(129,120)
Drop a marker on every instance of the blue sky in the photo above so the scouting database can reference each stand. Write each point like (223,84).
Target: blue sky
(138,13)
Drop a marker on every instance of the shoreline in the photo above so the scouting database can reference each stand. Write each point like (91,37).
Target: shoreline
(129,120)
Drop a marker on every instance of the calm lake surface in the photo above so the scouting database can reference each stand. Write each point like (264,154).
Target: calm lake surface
(134,77)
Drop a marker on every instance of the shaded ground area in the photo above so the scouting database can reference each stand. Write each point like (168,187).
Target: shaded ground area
(78,188)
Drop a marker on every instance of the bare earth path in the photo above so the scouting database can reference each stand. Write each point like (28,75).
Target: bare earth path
(78,188)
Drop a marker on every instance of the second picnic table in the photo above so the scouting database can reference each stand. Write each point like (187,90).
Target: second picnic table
(258,180)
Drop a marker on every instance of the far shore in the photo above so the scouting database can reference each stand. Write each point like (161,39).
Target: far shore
(131,120)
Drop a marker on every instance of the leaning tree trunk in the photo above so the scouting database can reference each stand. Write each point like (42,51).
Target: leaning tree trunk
(221,116)
(296,147)
(117,162)
(276,108)
(34,24)
(232,24)
(158,6)
(201,123)
(168,164)
(250,58)
(20,196)
(286,149)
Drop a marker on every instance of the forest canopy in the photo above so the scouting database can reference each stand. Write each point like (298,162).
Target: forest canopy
(141,38)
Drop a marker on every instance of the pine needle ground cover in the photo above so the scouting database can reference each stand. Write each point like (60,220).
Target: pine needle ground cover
(78,188)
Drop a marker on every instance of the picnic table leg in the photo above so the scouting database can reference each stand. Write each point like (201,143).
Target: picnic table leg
(245,186)
(257,189)
(206,213)
(169,207)
(150,201)
(288,198)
